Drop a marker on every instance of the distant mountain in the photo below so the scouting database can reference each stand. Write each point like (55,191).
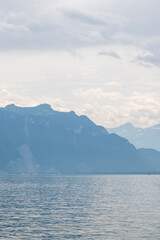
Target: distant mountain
(41,140)
(140,137)
(152,157)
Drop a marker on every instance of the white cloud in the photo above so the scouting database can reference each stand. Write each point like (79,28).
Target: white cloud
(94,93)
(49,53)
(151,59)
(110,54)
(61,24)
(109,109)
(140,109)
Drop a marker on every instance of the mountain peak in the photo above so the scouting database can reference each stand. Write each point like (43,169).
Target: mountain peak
(44,106)
(40,136)
(157,126)
(140,137)
(128,125)
(11,107)
(40,109)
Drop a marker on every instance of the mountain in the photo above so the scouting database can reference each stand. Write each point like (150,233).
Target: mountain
(41,140)
(140,137)
(152,157)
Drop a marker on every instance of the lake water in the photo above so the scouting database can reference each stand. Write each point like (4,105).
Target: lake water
(80,207)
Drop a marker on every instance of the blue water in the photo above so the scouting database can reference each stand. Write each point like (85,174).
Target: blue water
(80,207)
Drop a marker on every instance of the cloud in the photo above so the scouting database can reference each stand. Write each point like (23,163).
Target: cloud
(60,28)
(151,59)
(113,108)
(13,96)
(94,93)
(108,109)
(113,83)
(61,24)
(4,27)
(58,104)
(85,18)
(55,57)
(111,54)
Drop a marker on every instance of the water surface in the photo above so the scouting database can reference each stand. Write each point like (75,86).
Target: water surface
(80,207)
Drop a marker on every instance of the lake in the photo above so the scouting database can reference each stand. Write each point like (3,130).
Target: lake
(80,207)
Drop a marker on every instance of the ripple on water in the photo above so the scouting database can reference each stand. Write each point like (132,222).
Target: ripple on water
(79,207)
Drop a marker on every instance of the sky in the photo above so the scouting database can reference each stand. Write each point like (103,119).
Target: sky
(100,58)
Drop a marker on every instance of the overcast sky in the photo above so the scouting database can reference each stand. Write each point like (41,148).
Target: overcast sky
(96,57)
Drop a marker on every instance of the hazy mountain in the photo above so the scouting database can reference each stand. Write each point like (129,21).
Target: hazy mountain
(152,157)
(140,137)
(39,139)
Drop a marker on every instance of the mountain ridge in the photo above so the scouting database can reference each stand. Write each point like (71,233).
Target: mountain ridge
(41,140)
(141,137)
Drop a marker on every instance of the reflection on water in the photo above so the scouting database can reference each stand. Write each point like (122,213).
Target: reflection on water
(79,207)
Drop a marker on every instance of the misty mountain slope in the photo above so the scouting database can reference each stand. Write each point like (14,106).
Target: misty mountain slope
(41,140)
(140,137)
(152,156)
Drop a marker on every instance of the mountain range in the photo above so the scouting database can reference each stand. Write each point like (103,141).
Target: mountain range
(41,140)
(141,137)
